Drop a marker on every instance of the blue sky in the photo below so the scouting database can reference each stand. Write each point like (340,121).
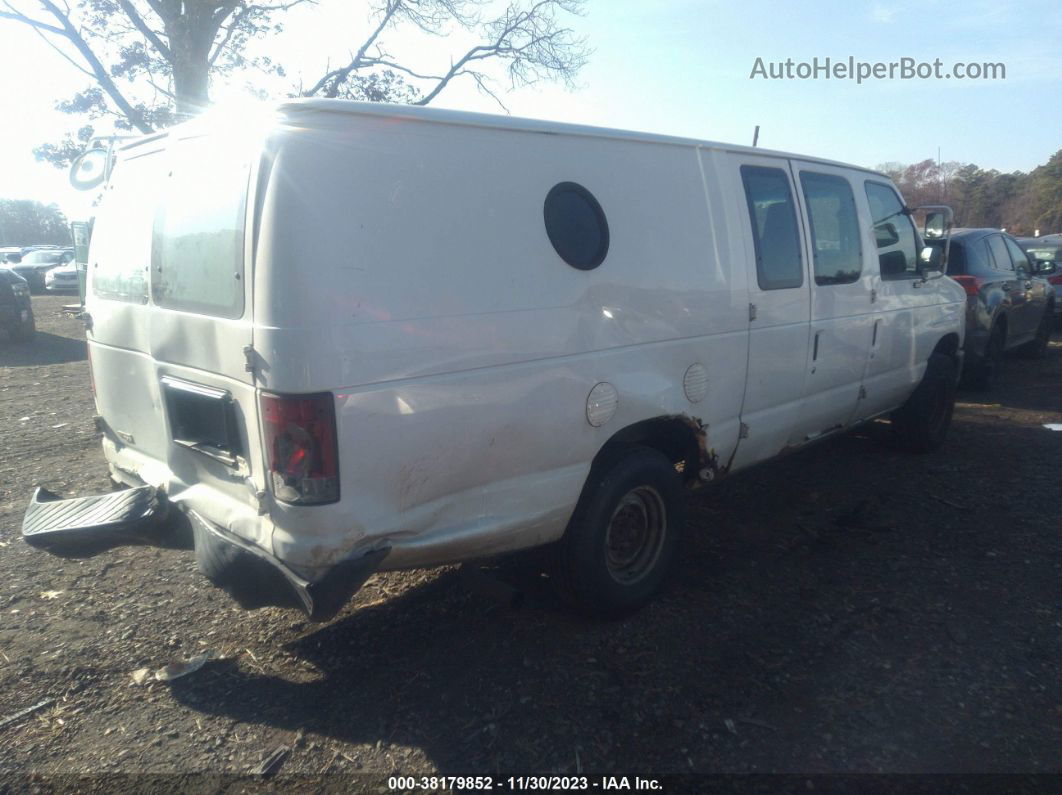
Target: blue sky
(682,67)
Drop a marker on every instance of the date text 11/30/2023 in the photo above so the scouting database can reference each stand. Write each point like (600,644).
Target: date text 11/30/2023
(523,783)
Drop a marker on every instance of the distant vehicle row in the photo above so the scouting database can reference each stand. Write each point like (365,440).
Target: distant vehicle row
(34,264)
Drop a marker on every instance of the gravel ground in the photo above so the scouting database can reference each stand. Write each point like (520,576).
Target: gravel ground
(849,608)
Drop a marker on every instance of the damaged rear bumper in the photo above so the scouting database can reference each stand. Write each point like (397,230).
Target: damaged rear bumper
(86,526)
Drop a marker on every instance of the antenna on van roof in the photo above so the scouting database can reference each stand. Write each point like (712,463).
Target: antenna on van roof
(756,135)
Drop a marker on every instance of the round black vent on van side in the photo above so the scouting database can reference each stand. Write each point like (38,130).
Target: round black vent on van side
(576,225)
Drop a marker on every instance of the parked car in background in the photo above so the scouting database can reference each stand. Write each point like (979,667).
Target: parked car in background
(10,255)
(38,262)
(1047,253)
(1008,307)
(62,278)
(16,312)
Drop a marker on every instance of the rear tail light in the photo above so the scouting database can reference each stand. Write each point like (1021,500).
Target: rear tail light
(971,284)
(1056,279)
(300,441)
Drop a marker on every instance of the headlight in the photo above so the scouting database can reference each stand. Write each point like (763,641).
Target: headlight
(20,289)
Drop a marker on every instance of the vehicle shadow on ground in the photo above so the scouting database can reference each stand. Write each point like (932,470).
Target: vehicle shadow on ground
(44,349)
(1026,384)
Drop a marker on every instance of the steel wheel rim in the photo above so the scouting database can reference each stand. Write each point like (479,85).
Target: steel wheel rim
(635,535)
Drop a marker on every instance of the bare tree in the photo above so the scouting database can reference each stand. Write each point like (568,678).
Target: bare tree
(151,62)
(527,37)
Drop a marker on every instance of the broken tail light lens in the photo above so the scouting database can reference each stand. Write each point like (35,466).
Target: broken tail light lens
(300,441)
(971,284)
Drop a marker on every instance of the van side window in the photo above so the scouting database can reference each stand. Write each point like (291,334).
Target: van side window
(779,264)
(576,225)
(197,256)
(893,231)
(835,246)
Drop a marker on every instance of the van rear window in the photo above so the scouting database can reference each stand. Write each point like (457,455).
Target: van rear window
(197,252)
(121,238)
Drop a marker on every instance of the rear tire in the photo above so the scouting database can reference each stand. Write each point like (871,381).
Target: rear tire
(922,423)
(985,372)
(1037,349)
(621,540)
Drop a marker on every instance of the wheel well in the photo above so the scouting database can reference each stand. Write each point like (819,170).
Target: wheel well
(949,346)
(1001,321)
(681,438)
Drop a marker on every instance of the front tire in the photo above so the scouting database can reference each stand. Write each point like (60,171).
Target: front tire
(922,423)
(621,541)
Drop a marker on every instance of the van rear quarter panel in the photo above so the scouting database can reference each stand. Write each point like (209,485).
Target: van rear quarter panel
(404,266)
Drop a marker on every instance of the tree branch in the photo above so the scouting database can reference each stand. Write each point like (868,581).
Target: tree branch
(339,76)
(67,30)
(142,26)
(18,16)
(229,32)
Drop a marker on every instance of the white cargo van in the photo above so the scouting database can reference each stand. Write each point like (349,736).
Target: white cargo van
(354,337)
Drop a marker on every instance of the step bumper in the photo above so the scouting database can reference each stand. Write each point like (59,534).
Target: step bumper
(83,527)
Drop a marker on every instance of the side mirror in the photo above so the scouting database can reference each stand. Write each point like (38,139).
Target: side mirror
(936,225)
(90,169)
(931,264)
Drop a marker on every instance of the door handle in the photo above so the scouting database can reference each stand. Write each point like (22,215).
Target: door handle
(815,348)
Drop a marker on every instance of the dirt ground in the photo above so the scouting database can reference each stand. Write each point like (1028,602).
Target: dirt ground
(849,608)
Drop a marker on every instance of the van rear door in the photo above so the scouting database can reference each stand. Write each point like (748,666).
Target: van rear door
(170,315)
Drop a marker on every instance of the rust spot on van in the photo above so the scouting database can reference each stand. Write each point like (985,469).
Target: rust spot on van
(706,468)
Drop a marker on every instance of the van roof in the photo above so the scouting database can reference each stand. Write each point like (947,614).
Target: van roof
(490,120)
(296,107)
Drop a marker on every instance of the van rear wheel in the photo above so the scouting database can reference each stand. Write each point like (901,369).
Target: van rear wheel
(621,540)
(922,422)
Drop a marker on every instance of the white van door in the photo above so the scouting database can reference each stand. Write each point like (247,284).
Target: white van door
(169,311)
(779,304)
(842,298)
(892,367)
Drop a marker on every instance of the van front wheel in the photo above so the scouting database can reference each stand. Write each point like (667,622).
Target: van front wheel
(621,540)
(923,421)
